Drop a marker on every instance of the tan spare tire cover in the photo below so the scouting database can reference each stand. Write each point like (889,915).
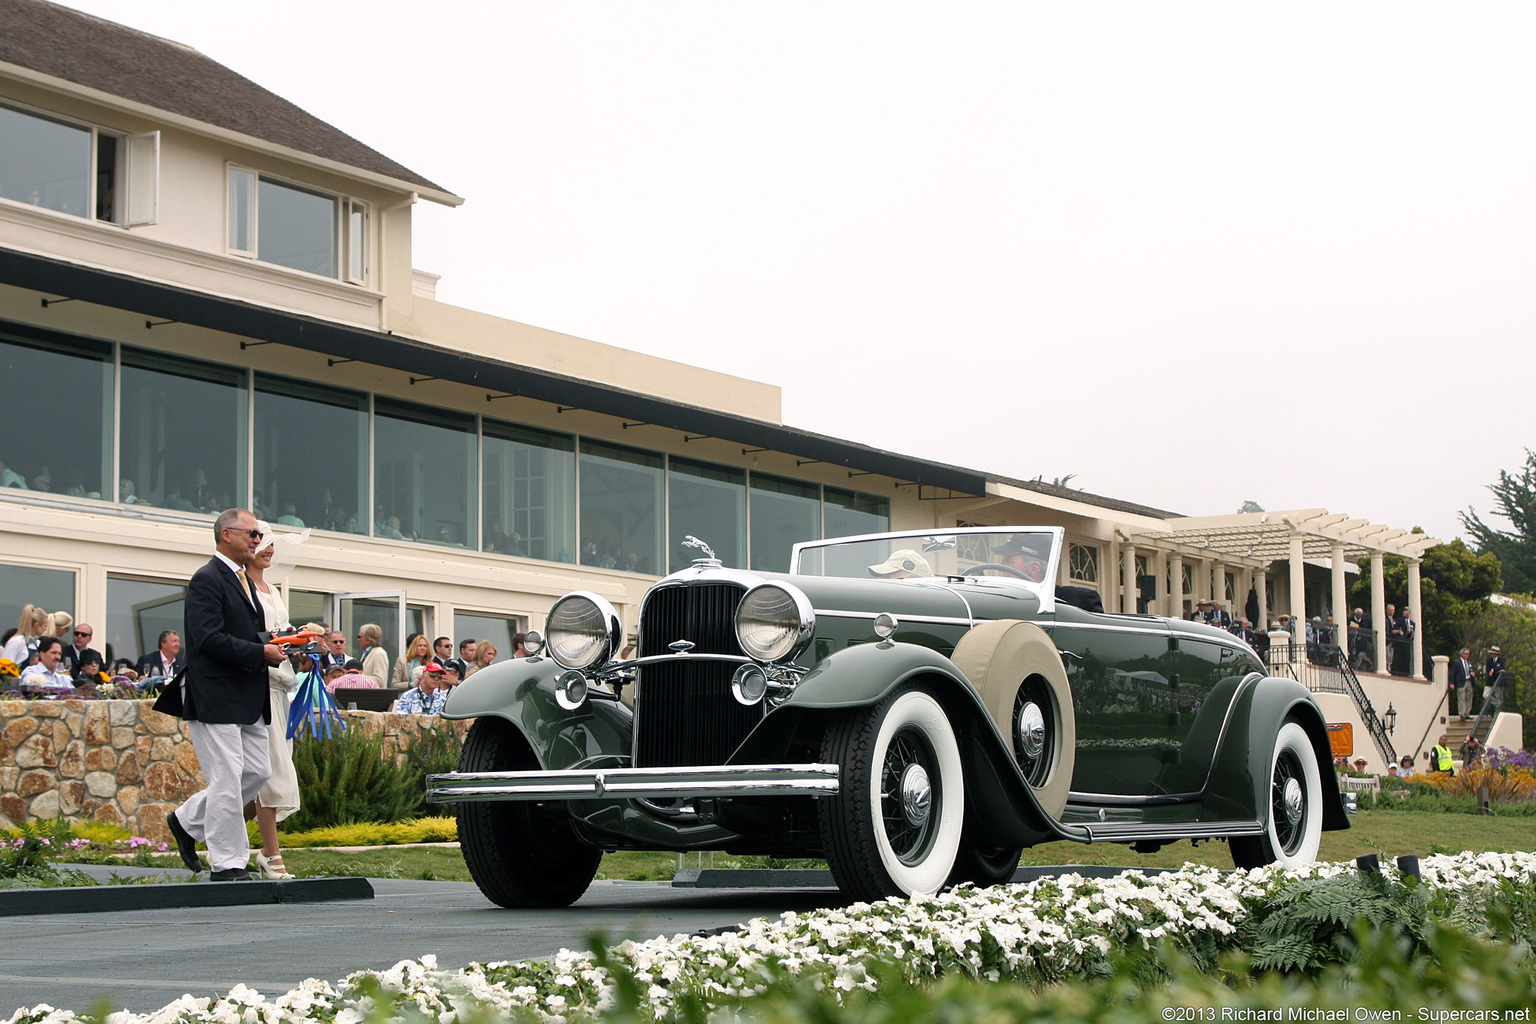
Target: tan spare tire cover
(998,657)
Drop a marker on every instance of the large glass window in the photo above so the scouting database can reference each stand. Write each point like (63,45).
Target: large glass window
(621,502)
(183,433)
(849,514)
(311,455)
(45,163)
(783,512)
(482,627)
(138,611)
(50,589)
(710,503)
(307,606)
(56,415)
(425,485)
(530,492)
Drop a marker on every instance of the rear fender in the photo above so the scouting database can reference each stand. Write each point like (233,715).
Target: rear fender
(1240,777)
(522,691)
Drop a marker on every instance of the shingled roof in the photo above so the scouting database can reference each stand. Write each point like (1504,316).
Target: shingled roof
(134,65)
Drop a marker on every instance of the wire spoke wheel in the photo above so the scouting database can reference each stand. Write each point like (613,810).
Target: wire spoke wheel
(1293,828)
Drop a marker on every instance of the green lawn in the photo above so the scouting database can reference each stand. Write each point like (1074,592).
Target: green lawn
(1387,833)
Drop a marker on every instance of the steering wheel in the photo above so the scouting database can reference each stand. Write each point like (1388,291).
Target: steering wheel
(977,570)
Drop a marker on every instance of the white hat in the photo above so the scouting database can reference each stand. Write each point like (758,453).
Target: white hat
(285,549)
(903,560)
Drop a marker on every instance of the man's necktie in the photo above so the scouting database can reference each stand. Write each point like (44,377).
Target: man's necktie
(245,584)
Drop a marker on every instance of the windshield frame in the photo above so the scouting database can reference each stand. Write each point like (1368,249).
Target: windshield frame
(1046,587)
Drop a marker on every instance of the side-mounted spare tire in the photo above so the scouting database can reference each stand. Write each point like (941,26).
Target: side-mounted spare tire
(521,853)
(1018,673)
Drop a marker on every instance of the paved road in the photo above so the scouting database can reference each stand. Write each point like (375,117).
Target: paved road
(141,960)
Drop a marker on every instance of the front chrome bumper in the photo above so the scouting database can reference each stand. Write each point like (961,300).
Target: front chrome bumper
(598,783)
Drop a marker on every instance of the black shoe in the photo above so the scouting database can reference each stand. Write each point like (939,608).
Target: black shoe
(185,844)
(230,875)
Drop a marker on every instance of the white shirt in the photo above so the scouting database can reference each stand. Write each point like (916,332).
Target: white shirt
(42,677)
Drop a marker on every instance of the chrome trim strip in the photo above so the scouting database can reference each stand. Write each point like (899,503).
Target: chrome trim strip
(598,783)
(941,620)
(1106,627)
(653,659)
(1121,832)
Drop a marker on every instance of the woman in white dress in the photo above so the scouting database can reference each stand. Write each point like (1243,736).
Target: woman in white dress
(280,796)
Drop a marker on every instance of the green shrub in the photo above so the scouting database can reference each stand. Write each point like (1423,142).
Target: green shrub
(421,830)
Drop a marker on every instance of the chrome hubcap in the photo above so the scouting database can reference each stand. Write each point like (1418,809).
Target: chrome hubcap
(916,794)
(1293,801)
(1031,729)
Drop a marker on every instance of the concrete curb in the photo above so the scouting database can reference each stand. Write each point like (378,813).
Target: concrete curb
(820,878)
(96,899)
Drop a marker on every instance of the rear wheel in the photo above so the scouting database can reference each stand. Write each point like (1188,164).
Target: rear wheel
(1293,828)
(520,853)
(894,827)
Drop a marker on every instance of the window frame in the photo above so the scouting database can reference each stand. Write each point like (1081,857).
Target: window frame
(135,189)
(352,262)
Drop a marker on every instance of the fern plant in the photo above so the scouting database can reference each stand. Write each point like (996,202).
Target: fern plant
(1309,923)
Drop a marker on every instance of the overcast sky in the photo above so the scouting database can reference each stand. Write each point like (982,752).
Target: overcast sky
(1194,253)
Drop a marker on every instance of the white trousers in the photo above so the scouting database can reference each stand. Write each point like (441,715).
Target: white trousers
(234,762)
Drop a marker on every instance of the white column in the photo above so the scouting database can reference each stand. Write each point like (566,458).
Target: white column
(1261,583)
(1128,578)
(1244,584)
(1379,612)
(1107,583)
(1159,569)
(1203,589)
(1340,612)
(1219,588)
(1416,612)
(1298,607)
(1176,586)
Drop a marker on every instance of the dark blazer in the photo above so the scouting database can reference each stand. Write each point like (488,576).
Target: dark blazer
(226,675)
(151,665)
(72,658)
(1460,675)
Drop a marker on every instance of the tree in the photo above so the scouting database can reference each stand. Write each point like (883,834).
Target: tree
(1514,500)
(1249,505)
(1454,584)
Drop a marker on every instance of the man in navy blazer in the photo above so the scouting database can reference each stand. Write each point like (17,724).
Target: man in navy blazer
(224,699)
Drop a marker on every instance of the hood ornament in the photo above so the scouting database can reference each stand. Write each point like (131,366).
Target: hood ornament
(680,646)
(709,559)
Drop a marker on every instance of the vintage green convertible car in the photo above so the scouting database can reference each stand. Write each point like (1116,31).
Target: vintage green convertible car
(915,707)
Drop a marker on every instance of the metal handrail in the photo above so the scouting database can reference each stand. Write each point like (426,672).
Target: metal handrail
(1373,723)
(1324,658)
(1444,702)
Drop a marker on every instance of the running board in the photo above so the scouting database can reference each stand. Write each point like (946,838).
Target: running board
(1157,831)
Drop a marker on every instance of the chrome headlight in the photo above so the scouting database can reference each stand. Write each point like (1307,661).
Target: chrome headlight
(774,622)
(582,631)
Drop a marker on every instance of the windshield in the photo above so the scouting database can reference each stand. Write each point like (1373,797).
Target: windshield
(1007,552)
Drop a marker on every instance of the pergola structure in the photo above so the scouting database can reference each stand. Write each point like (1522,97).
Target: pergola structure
(1250,542)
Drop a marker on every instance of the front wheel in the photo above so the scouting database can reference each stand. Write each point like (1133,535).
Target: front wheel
(1293,828)
(520,853)
(894,827)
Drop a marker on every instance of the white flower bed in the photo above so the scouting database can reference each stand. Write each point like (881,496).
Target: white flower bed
(1049,929)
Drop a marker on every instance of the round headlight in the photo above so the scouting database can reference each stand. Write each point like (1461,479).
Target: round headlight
(774,622)
(571,690)
(582,631)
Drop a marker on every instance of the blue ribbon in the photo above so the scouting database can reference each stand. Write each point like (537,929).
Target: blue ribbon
(313,708)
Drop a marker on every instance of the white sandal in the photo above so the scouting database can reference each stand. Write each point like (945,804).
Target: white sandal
(272,867)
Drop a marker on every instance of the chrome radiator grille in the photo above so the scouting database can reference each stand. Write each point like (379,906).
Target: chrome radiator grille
(684,711)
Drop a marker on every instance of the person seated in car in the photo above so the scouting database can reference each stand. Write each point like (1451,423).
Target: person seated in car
(904,563)
(1026,554)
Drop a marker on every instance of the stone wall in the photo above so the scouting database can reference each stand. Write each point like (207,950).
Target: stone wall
(122,763)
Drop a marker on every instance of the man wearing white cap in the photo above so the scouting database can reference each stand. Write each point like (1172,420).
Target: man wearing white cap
(904,563)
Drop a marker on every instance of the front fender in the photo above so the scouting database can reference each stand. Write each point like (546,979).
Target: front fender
(522,691)
(1007,813)
(1240,776)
